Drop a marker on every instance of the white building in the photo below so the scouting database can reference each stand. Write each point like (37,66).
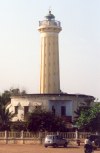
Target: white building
(61,104)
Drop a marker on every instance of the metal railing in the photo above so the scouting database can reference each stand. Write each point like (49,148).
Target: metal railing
(24,134)
(50,23)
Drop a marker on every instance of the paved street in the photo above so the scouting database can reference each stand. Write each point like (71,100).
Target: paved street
(39,149)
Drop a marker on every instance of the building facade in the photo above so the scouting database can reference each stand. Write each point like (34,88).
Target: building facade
(63,105)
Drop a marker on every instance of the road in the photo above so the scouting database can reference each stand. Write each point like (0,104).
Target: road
(17,148)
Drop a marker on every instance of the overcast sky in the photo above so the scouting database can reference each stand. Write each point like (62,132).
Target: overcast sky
(79,44)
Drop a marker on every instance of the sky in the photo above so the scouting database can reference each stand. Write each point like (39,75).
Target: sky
(79,44)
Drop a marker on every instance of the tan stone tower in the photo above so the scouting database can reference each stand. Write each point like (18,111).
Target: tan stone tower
(49,75)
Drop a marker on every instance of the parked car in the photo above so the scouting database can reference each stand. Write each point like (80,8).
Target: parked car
(55,141)
(96,139)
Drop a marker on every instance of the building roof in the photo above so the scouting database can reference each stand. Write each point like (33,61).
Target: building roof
(56,95)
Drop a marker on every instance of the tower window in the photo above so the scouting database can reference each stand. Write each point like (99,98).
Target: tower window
(53,110)
(26,108)
(63,111)
(16,109)
(38,107)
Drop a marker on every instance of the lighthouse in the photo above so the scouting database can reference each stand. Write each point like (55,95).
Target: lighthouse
(50,97)
(49,30)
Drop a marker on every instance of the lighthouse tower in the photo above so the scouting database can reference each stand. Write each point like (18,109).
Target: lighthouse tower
(49,74)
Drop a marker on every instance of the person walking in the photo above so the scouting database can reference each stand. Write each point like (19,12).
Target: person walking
(88,148)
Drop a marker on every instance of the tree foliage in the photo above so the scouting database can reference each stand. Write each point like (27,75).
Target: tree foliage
(41,120)
(5,96)
(5,115)
(5,119)
(18,126)
(89,119)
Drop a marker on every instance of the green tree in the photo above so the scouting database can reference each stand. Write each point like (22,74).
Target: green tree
(16,92)
(5,115)
(5,118)
(89,119)
(5,97)
(18,126)
(41,120)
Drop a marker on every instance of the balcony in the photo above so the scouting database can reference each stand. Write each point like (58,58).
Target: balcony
(50,23)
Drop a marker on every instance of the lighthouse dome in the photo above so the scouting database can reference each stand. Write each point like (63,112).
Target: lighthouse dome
(50,16)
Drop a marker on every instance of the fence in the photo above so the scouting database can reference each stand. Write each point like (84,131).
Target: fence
(10,137)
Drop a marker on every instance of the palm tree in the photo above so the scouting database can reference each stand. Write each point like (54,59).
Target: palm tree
(5,118)
(5,115)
